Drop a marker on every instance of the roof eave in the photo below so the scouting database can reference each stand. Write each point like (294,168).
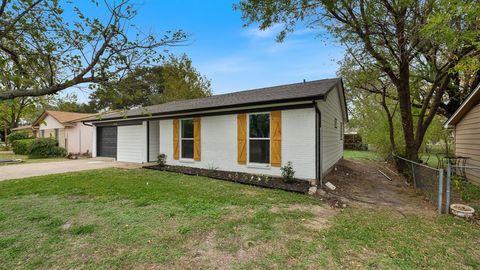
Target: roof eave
(126,118)
(458,115)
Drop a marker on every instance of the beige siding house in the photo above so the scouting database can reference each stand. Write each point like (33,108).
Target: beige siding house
(67,128)
(466,122)
(255,131)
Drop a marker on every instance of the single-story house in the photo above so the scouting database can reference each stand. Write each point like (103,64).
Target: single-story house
(67,127)
(466,124)
(255,131)
(28,129)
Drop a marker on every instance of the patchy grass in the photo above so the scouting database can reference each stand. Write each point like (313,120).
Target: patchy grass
(26,159)
(470,192)
(379,239)
(116,218)
(360,155)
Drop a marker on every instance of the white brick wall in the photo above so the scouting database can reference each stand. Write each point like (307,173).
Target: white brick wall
(219,144)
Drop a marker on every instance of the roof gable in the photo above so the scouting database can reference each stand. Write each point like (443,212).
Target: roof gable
(472,100)
(63,118)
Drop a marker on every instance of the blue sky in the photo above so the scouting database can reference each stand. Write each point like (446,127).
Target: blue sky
(233,57)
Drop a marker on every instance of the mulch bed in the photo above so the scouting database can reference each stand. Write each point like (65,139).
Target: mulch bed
(296,185)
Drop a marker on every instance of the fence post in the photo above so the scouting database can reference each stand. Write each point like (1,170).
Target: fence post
(440,190)
(413,175)
(448,187)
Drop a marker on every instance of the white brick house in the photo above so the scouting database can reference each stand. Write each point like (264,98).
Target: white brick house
(255,131)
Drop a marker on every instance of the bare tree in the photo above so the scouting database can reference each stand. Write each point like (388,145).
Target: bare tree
(44,51)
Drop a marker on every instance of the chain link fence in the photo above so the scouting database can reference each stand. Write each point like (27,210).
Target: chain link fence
(424,178)
(460,186)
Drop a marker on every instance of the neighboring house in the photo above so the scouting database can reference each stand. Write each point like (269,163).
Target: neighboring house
(67,128)
(255,131)
(466,122)
(29,129)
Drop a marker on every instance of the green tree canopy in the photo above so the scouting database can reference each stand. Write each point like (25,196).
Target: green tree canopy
(422,46)
(175,79)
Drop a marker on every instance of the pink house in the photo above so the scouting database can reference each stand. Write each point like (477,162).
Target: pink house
(67,128)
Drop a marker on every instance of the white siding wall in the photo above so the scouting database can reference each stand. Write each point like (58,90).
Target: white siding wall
(94,141)
(331,144)
(50,123)
(219,144)
(131,143)
(153,141)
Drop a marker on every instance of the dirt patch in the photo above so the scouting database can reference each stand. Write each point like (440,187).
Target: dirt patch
(362,184)
(322,214)
(205,253)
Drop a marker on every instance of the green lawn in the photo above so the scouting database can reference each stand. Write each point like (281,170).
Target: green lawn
(116,218)
(359,155)
(26,159)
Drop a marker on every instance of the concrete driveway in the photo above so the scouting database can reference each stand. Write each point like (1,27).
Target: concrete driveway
(35,169)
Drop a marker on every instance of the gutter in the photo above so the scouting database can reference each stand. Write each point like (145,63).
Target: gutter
(223,107)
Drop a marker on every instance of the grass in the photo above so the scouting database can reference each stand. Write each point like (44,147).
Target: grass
(430,159)
(359,155)
(26,159)
(117,218)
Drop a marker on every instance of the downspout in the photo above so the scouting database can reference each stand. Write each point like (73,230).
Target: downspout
(318,145)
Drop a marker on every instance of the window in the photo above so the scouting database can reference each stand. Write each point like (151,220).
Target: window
(42,133)
(186,136)
(259,138)
(56,134)
(341,131)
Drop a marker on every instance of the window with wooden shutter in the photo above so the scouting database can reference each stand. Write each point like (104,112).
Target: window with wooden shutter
(176,152)
(196,139)
(259,138)
(276,138)
(186,138)
(242,138)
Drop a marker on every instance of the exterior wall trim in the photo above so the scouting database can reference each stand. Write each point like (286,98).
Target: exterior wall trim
(249,110)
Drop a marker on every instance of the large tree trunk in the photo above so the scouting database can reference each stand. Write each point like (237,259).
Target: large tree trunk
(403,89)
(391,130)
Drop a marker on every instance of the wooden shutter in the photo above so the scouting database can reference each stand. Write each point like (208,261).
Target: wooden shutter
(276,138)
(196,139)
(176,152)
(242,138)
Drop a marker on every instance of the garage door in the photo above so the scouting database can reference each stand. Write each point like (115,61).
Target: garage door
(132,143)
(107,141)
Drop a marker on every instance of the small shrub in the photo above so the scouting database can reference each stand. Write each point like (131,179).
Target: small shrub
(45,148)
(288,172)
(15,136)
(22,147)
(162,160)
(211,166)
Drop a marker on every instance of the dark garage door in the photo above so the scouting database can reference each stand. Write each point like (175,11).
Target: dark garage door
(107,142)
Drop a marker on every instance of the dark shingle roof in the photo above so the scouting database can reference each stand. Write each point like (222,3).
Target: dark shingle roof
(283,93)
